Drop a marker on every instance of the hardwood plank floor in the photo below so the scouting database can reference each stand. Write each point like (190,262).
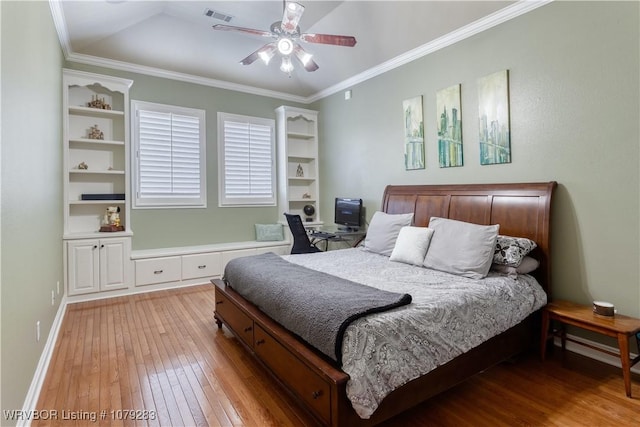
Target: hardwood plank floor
(162,353)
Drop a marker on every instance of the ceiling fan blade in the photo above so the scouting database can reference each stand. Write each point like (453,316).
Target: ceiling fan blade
(291,17)
(333,39)
(243,30)
(265,53)
(305,58)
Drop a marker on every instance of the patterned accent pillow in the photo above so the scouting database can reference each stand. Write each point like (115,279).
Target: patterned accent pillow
(512,250)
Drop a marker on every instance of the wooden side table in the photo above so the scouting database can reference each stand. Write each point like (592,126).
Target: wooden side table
(618,326)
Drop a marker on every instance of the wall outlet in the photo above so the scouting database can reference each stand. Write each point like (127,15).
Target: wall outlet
(37,331)
(53,297)
(58,287)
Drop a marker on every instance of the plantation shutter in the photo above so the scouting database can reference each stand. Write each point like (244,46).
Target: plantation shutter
(248,177)
(169,159)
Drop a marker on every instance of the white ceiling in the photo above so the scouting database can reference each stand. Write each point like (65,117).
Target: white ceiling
(174,39)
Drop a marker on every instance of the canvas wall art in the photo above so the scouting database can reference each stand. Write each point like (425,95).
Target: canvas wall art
(449,127)
(413,134)
(493,116)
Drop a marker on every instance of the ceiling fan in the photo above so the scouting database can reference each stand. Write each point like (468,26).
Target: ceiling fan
(287,34)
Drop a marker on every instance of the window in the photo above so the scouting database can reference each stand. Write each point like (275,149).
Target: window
(169,156)
(246,161)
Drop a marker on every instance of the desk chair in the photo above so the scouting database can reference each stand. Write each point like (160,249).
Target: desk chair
(301,242)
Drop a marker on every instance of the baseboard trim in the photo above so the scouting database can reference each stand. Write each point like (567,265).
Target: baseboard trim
(31,400)
(594,354)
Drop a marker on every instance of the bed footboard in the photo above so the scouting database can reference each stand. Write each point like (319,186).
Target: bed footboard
(320,388)
(310,378)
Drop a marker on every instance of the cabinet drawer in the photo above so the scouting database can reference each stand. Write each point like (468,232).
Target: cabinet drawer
(201,265)
(157,270)
(235,319)
(311,387)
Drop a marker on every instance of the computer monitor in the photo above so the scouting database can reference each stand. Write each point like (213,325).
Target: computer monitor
(348,212)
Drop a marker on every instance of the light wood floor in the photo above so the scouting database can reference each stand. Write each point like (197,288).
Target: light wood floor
(162,353)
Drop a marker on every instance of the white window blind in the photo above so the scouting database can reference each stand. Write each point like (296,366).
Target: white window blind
(169,156)
(247,161)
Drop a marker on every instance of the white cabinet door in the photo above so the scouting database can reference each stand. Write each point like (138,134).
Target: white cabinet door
(114,255)
(83,270)
(95,265)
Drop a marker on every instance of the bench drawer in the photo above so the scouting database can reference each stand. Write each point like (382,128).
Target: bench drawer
(201,265)
(158,270)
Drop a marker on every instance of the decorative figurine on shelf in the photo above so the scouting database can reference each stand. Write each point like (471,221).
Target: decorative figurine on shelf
(95,133)
(299,171)
(306,196)
(83,166)
(98,103)
(111,220)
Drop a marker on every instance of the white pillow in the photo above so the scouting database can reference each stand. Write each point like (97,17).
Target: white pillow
(383,231)
(461,248)
(411,245)
(527,266)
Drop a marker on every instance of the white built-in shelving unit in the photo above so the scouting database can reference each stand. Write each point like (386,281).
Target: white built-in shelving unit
(95,261)
(298,180)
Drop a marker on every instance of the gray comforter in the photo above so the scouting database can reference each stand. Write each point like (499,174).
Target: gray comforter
(316,306)
(448,316)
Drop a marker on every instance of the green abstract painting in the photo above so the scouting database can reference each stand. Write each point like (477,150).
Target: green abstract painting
(413,134)
(493,116)
(449,127)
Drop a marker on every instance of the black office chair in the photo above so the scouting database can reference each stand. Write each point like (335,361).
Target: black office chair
(301,242)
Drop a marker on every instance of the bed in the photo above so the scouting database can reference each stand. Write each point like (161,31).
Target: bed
(318,383)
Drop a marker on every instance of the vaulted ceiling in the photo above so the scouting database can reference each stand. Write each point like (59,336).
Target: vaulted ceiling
(175,39)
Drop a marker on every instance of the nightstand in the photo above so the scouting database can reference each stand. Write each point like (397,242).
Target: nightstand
(581,316)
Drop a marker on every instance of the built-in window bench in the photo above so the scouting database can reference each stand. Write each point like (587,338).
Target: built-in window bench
(107,267)
(195,264)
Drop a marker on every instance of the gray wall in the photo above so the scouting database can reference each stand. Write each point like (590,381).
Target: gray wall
(574,71)
(574,93)
(31,193)
(158,228)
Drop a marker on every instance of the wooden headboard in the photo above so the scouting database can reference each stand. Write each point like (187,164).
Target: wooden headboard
(522,210)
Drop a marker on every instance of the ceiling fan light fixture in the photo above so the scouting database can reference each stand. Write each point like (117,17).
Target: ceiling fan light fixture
(285,35)
(292,14)
(303,56)
(285,46)
(286,66)
(267,53)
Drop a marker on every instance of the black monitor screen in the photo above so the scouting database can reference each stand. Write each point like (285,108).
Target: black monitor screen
(348,212)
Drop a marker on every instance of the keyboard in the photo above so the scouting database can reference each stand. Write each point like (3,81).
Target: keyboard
(322,235)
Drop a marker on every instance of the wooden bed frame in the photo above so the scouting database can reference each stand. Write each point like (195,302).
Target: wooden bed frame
(319,386)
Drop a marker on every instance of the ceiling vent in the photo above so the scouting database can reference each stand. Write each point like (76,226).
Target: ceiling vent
(218,15)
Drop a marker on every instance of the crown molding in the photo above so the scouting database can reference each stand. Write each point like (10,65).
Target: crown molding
(490,21)
(510,12)
(188,78)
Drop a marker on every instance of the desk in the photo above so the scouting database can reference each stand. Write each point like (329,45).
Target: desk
(618,326)
(333,234)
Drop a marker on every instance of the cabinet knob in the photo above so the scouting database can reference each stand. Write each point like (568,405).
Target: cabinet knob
(101,246)
(158,272)
(248,328)
(202,266)
(219,302)
(259,342)
(316,394)
(95,246)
